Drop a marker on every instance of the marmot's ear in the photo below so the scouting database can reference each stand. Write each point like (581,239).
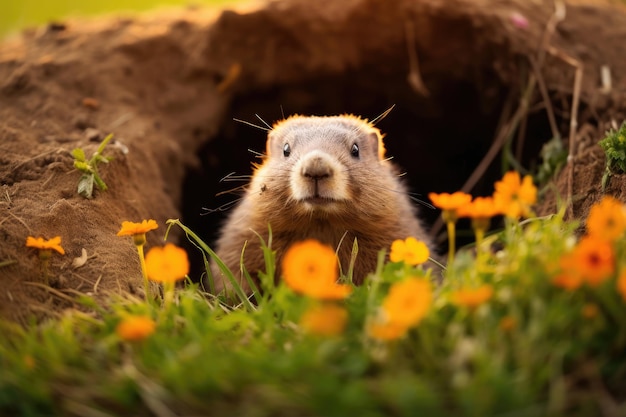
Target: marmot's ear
(375,140)
(269,144)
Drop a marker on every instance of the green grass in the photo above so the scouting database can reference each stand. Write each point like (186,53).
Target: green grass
(17,15)
(207,357)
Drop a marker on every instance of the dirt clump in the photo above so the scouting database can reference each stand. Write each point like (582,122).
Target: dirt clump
(169,85)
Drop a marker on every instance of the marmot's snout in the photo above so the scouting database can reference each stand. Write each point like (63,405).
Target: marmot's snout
(318,175)
(316,168)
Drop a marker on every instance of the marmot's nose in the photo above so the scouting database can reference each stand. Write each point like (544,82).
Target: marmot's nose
(316,168)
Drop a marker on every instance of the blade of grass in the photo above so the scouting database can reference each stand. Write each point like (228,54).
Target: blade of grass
(220,264)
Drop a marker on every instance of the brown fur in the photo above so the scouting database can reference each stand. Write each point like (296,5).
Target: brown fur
(372,206)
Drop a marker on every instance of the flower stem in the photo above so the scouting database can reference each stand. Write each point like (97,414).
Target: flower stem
(451,242)
(142,261)
(44,271)
(480,235)
(168,294)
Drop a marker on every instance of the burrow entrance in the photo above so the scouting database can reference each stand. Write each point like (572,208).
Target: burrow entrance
(437,140)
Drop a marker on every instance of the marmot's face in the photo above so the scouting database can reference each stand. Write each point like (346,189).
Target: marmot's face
(323,161)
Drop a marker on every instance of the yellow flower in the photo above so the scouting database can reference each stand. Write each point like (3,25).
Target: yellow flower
(472,297)
(135,328)
(324,319)
(607,219)
(621,283)
(41,244)
(310,268)
(167,264)
(131,229)
(514,195)
(408,301)
(410,251)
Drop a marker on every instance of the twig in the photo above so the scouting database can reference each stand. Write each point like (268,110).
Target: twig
(19,220)
(573,123)
(51,291)
(415,77)
(546,98)
(497,144)
(95,286)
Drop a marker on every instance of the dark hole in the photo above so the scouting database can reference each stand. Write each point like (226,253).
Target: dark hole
(438,140)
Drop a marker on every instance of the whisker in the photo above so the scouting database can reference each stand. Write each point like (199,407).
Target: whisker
(232,190)
(420,201)
(282,111)
(256,153)
(234,178)
(252,124)
(382,115)
(263,121)
(222,208)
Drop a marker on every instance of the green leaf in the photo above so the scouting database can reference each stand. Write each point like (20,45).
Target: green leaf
(85,185)
(100,158)
(79,154)
(104,143)
(83,167)
(100,183)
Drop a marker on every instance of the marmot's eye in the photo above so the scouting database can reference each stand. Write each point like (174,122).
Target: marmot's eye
(354,151)
(286,150)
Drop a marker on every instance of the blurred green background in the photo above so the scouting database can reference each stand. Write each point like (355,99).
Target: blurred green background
(19,14)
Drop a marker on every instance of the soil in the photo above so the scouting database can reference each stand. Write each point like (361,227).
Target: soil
(169,86)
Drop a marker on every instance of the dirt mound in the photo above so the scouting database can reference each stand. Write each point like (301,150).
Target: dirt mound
(462,75)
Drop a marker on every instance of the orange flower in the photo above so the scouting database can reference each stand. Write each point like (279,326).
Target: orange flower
(480,208)
(324,319)
(568,281)
(590,311)
(310,268)
(131,229)
(135,328)
(167,264)
(507,323)
(607,219)
(410,251)
(593,259)
(514,196)
(405,306)
(621,283)
(46,245)
(386,331)
(408,301)
(472,297)
(450,203)
(137,230)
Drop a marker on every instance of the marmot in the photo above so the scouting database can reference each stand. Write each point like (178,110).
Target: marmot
(325,178)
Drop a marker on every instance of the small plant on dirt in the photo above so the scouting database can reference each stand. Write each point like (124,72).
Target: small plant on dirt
(89,168)
(553,158)
(614,145)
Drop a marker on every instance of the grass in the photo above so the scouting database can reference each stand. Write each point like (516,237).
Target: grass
(532,348)
(17,15)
